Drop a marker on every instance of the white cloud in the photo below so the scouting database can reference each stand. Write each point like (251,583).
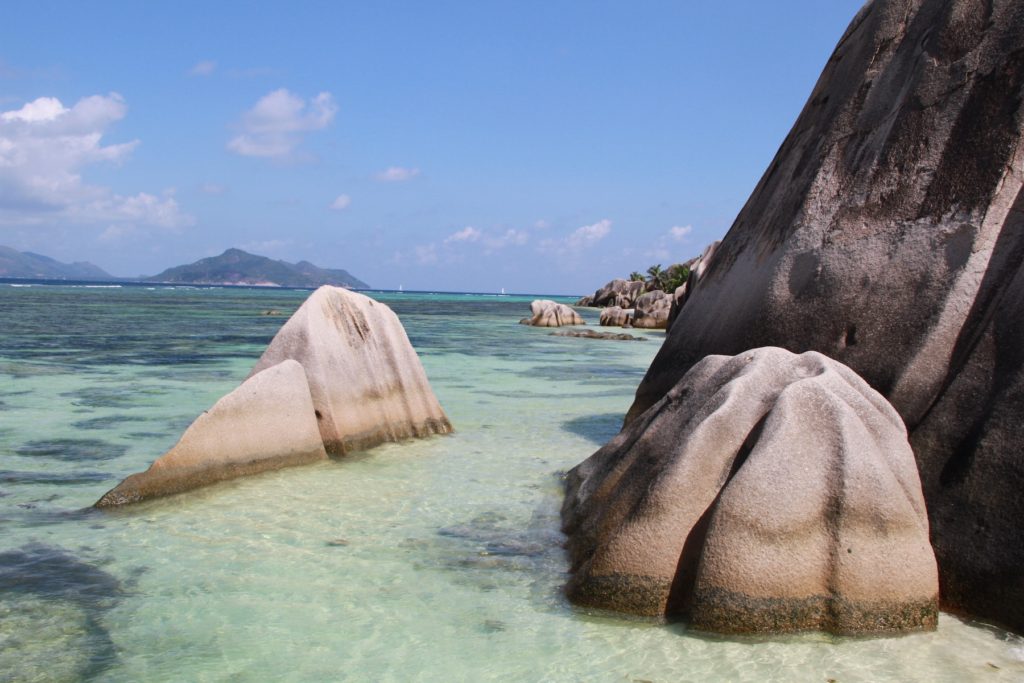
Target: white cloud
(276,124)
(541,224)
(44,147)
(680,232)
(341,202)
(510,237)
(589,235)
(397,174)
(467,234)
(204,68)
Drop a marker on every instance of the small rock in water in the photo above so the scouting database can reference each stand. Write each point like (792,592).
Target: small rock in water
(590,334)
(270,311)
(494,625)
(337,542)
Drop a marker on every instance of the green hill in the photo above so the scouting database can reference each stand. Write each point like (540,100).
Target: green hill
(237,267)
(25,264)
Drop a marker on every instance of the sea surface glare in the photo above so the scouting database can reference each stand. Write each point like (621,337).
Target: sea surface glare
(430,560)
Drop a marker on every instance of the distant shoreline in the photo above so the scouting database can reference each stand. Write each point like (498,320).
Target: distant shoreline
(143,283)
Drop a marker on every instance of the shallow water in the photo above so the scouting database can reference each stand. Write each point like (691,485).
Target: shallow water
(432,560)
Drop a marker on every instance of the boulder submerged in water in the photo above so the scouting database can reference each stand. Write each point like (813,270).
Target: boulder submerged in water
(367,383)
(888,233)
(766,493)
(547,313)
(340,375)
(614,316)
(266,423)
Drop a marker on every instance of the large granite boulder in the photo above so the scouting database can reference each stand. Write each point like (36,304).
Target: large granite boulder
(547,313)
(766,492)
(367,383)
(652,310)
(619,292)
(698,267)
(615,316)
(888,233)
(266,423)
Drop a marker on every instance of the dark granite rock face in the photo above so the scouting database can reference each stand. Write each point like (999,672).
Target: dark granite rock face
(888,233)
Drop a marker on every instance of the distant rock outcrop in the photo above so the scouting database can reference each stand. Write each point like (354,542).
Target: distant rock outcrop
(652,310)
(547,313)
(888,233)
(367,382)
(767,492)
(621,293)
(266,423)
(615,316)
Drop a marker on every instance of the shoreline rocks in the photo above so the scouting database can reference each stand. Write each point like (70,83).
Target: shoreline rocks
(766,493)
(652,310)
(615,316)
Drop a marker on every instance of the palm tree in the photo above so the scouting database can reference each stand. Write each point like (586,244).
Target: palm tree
(654,274)
(636,276)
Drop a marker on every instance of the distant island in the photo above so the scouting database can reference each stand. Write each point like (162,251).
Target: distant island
(25,264)
(237,267)
(233,267)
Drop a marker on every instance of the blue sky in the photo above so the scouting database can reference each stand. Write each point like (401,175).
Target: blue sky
(543,147)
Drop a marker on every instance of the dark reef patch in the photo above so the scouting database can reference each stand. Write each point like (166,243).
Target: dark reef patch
(72,450)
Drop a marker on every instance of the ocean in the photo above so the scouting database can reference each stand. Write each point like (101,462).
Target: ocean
(431,560)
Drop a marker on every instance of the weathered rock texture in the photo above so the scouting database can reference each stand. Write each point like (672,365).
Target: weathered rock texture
(266,423)
(617,317)
(367,383)
(767,492)
(652,310)
(618,292)
(591,334)
(888,233)
(547,313)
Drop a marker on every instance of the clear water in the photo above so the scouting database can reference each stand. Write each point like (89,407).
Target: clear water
(433,560)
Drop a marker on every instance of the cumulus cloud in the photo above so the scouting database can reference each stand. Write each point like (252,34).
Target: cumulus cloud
(680,232)
(510,237)
(278,122)
(44,147)
(467,234)
(203,68)
(341,202)
(397,174)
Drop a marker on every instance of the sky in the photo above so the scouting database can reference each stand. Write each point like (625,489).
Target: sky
(539,147)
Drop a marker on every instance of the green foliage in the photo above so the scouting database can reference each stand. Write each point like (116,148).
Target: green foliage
(665,280)
(636,276)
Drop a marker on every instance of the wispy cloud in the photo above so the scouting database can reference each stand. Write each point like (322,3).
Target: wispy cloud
(680,232)
(204,68)
(397,174)
(583,237)
(213,188)
(341,202)
(44,147)
(467,234)
(276,125)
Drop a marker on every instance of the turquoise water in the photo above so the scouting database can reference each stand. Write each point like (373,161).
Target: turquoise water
(432,560)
